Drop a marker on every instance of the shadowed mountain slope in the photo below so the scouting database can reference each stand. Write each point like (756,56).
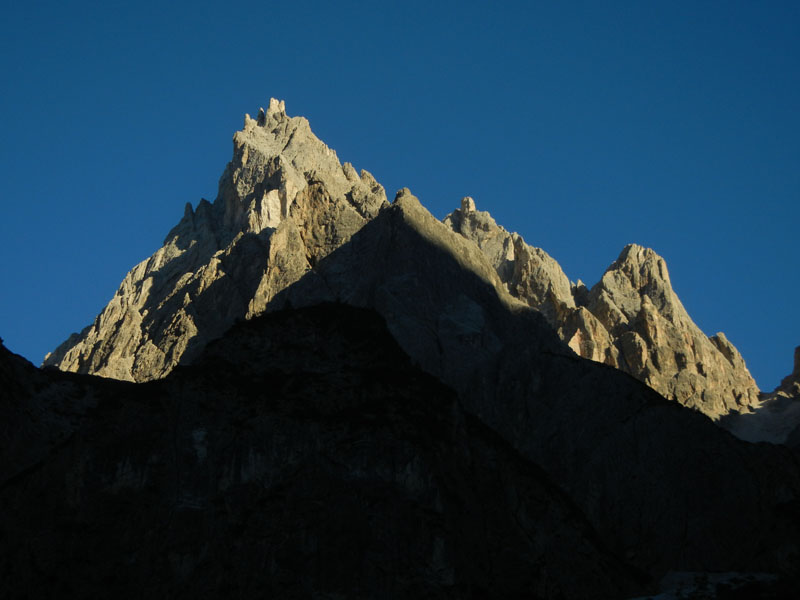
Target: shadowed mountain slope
(631,319)
(777,418)
(302,456)
(663,485)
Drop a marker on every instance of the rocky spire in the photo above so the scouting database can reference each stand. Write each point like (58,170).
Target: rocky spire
(284,202)
(631,319)
(656,341)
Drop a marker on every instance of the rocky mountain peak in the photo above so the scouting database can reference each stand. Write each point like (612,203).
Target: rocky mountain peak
(284,203)
(638,273)
(276,110)
(528,273)
(631,319)
(656,341)
(275,414)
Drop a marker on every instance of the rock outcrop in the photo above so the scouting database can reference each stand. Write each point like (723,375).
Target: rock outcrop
(658,343)
(631,319)
(284,203)
(528,273)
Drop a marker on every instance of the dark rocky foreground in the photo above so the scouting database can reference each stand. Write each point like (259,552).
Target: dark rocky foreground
(303,456)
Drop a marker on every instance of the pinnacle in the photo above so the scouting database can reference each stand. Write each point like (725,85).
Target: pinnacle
(276,107)
(275,110)
(637,254)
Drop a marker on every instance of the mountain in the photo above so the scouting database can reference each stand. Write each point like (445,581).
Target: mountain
(641,483)
(631,319)
(285,202)
(280,466)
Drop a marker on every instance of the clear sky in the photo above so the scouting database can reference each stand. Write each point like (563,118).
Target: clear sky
(583,126)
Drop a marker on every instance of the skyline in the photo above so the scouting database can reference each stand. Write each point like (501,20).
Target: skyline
(582,130)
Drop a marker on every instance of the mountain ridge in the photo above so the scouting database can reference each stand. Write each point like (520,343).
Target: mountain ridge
(286,202)
(472,308)
(279,465)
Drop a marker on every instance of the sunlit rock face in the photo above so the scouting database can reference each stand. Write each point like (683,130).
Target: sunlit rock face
(528,273)
(284,202)
(631,319)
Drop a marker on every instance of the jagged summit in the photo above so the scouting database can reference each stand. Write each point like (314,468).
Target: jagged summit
(631,319)
(285,203)
(494,320)
(276,109)
(528,273)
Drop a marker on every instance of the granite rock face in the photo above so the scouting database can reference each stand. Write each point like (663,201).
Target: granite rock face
(631,319)
(303,454)
(284,203)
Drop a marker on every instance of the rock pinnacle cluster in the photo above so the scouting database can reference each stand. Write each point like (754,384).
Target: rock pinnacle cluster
(631,319)
(285,202)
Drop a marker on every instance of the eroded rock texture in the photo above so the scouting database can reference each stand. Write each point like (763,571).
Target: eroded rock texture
(631,319)
(284,203)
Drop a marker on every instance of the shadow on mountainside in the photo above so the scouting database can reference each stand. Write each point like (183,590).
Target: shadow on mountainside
(664,487)
(303,455)
(776,420)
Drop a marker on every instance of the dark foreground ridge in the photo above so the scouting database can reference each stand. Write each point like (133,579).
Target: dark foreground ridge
(303,456)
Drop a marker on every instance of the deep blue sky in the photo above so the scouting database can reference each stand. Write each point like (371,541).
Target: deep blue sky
(583,127)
